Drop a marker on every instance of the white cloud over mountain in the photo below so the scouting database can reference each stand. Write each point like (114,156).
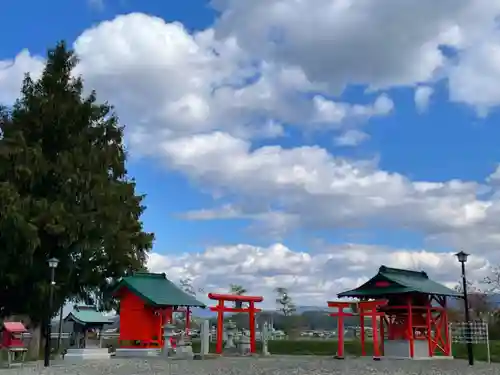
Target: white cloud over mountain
(201,102)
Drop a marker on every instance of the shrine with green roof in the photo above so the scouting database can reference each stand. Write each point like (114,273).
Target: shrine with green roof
(412,314)
(85,319)
(393,281)
(147,304)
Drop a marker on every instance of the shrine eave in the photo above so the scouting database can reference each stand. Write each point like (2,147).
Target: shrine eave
(87,318)
(393,281)
(156,290)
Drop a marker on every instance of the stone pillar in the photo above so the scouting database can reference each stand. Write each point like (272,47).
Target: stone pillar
(100,338)
(264,335)
(205,337)
(168,332)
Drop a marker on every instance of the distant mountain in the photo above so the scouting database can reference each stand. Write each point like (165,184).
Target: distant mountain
(207,314)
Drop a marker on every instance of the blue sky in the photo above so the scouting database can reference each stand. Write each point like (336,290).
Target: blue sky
(301,222)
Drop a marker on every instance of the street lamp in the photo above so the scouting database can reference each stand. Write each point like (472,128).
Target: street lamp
(53,262)
(462,258)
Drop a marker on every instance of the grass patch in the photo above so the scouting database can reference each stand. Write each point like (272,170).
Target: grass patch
(353,348)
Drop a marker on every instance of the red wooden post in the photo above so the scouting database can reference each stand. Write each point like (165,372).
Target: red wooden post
(251,326)
(169,315)
(428,323)
(340,314)
(382,333)
(362,325)
(220,326)
(220,309)
(370,308)
(188,319)
(409,327)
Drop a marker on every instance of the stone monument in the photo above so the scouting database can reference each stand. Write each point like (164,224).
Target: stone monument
(184,349)
(230,328)
(265,338)
(205,338)
(244,344)
(168,333)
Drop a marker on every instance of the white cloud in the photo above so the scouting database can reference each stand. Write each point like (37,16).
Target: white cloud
(422,97)
(311,278)
(351,138)
(12,73)
(199,102)
(474,80)
(347,42)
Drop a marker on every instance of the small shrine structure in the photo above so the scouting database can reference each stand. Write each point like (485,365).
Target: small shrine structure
(12,341)
(220,308)
(410,310)
(147,303)
(85,319)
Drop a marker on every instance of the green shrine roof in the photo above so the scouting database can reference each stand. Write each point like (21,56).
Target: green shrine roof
(390,281)
(87,315)
(157,290)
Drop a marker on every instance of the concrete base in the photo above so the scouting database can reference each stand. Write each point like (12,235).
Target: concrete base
(87,353)
(184,352)
(420,358)
(400,349)
(137,352)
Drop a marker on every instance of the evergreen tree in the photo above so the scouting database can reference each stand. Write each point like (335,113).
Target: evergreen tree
(64,193)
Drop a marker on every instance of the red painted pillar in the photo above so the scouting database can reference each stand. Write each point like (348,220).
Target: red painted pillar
(409,328)
(362,325)
(251,326)
(370,308)
(188,319)
(382,334)
(340,333)
(376,349)
(428,322)
(220,326)
(340,314)
(447,338)
(169,315)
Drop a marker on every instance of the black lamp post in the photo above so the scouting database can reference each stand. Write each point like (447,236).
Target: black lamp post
(462,258)
(53,262)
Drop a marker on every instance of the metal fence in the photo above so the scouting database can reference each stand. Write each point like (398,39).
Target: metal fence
(472,332)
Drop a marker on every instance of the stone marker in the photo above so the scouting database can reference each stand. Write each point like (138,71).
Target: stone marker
(205,338)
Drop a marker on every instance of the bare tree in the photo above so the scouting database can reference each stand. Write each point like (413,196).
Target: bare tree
(186,285)
(238,290)
(479,303)
(493,282)
(284,301)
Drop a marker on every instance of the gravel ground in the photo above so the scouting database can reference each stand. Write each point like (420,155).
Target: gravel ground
(281,365)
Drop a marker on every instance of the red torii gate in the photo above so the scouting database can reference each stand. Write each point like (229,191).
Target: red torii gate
(220,308)
(366,309)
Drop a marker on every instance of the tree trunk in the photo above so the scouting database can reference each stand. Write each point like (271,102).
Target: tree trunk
(36,342)
(60,327)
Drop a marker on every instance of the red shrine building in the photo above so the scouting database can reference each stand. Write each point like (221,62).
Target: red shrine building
(147,302)
(408,313)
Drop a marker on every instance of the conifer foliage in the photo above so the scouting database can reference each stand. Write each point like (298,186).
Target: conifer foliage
(64,193)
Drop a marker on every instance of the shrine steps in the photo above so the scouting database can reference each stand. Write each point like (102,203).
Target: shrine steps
(87,353)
